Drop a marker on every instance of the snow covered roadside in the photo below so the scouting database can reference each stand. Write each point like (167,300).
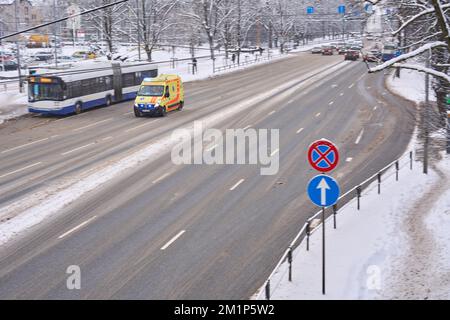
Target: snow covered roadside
(12,105)
(410,85)
(396,247)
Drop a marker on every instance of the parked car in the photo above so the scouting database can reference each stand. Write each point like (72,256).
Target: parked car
(327,51)
(84,55)
(8,65)
(316,50)
(352,55)
(42,56)
(370,57)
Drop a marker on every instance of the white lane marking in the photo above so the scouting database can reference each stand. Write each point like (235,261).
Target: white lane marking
(140,126)
(76,149)
(173,240)
(361,76)
(341,94)
(211,148)
(375,108)
(92,124)
(247,127)
(349,159)
(271,113)
(331,103)
(300,130)
(55,136)
(237,184)
(274,152)
(161,178)
(107,138)
(125,114)
(384,93)
(334,86)
(76,228)
(369,88)
(290,101)
(318,115)
(21,169)
(351,86)
(358,140)
(24,145)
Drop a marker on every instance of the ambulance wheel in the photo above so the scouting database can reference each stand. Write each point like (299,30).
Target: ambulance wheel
(180,107)
(78,107)
(163,111)
(137,113)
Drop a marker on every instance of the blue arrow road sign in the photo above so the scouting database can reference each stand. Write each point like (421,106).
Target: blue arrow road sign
(310,10)
(341,9)
(323,191)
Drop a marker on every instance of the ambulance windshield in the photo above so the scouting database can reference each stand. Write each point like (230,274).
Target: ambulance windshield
(151,91)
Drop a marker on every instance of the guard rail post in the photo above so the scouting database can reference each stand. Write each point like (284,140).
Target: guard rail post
(358,196)
(379,182)
(308,232)
(397,168)
(411,160)
(290,263)
(334,215)
(268,290)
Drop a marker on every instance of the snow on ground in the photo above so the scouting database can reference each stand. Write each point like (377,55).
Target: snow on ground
(396,247)
(410,85)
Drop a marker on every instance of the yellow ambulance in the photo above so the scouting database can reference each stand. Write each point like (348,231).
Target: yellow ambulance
(158,96)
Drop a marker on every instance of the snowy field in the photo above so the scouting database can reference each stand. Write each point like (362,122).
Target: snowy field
(396,247)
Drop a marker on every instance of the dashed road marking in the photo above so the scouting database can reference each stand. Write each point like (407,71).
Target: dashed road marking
(20,170)
(237,184)
(173,240)
(24,145)
(358,140)
(76,149)
(77,227)
(300,130)
(92,124)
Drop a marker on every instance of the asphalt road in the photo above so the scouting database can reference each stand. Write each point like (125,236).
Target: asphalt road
(160,231)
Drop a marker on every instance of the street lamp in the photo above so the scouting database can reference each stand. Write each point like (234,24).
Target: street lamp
(16,9)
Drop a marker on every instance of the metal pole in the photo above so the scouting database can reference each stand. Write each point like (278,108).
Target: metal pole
(268,290)
(448,132)
(358,195)
(426,117)
(323,250)
(138,30)
(290,263)
(397,168)
(334,215)
(411,160)
(54,34)
(379,183)
(16,11)
(307,235)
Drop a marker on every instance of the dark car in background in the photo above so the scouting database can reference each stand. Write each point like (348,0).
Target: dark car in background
(8,65)
(327,51)
(352,55)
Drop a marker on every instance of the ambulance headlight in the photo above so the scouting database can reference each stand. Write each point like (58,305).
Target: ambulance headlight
(157,105)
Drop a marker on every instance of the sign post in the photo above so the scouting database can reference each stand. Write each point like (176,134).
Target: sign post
(323,190)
